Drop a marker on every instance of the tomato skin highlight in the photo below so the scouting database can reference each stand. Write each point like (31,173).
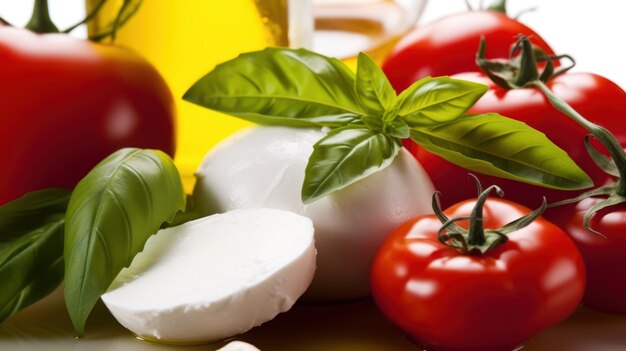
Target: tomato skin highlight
(583,91)
(605,258)
(446,300)
(448,46)
(69,103)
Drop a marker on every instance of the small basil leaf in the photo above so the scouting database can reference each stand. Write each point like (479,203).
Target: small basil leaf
(31,248)
(431,101)
(373,89)
(502,147)
(286,87)
(344,156)
(111,214)
(374,123)
(398,128)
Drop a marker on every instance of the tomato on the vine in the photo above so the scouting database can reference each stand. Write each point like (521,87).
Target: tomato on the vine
(448,46)
(68,103)
(491,297)
(604,254)
(582,91)
(595,219)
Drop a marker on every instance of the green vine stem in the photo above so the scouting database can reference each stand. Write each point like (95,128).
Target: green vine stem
(94,12)
(521,71)
(40,21)
(127,10)
(604,136)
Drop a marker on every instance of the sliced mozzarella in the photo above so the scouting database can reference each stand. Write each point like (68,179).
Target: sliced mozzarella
(264,167)
(215,277)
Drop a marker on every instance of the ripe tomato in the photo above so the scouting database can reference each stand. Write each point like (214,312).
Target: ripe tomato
(582,91)
(448,46)
(605,257)
(68,103)
(446,300)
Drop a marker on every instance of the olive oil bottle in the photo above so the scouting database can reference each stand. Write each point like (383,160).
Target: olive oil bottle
(186,39)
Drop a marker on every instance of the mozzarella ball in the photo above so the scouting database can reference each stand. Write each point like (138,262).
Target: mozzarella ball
(264,167)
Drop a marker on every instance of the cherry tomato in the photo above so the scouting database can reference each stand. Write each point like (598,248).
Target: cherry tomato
(448,46)
(582,91)
(447,300)
(605,257)
(69,103)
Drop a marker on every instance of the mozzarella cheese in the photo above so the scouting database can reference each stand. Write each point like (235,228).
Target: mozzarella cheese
(215,277)
(264,167)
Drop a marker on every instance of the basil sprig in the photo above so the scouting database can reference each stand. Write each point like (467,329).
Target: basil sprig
(86,236)
(367,120)
(31,248)
(111,214)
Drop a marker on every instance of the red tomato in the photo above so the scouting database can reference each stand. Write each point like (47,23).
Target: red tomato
(446,300)
(582,91)
(448,46)
(605,258)
(69,103)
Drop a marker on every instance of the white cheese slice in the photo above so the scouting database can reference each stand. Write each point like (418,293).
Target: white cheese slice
(215,277)
(264,167)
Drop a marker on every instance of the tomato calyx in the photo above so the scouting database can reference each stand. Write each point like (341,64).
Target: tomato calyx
(497,6)
(521,72)
(40,21)
(521,68)
(476,240)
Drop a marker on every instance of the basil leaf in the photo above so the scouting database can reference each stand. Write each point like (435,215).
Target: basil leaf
(431,101)
(286,87)
(373,89)
(502,147)
(111,214)
(374,123)
(31,248)
(399,129)
(344,156)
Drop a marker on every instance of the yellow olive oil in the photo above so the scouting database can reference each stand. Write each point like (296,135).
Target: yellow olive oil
(186,39)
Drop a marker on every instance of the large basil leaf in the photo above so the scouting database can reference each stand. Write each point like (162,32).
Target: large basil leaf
(373,89)
(344,156)
(283,87)
(31,248)
(502,147)
(431,101)
(111,214)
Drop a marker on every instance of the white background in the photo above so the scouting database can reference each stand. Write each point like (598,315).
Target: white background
(592,31)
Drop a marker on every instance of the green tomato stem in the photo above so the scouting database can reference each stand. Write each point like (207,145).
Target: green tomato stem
(498,5)
(476,232)
(604,136)
(528,63)
(40,21)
